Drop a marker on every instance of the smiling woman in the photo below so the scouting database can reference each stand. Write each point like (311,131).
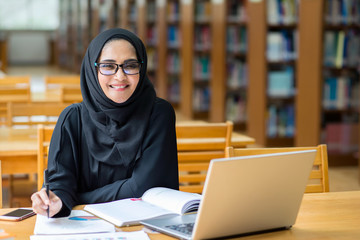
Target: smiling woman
(118,85)
(120,141)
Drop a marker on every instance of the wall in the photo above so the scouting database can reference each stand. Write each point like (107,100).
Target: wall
(28,47)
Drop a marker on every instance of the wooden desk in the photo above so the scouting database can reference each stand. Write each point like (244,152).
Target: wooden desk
(333,215)
(18,149)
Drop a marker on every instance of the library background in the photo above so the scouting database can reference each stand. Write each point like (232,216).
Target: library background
(286,72)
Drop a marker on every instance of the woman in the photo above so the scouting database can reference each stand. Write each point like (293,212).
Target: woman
(117,143)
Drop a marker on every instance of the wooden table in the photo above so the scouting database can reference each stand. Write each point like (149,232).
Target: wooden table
(334,215)
(18,149)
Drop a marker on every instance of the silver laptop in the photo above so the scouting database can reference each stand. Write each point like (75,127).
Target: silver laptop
(245,195)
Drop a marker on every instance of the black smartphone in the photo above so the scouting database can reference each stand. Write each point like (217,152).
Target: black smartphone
(17,214)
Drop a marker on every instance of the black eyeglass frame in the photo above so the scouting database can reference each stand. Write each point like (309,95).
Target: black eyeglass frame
(117,68)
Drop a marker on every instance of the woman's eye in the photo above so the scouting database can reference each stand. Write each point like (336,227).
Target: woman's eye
(108,66)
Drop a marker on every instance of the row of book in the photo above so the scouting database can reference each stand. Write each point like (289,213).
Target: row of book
(173,36)
(341,138)
(151,36)
(152,59)
(201,99)
(281,83)
(173,11)
(282,45)
(202,38)
(173,63)
(342,12)
(236,39)
(174,89)
(282,11)
(281,121)
(340,93)
(151,11)
(202,68)
(341,48)
(202,11)
(237,73)
(236,108)
(236,11)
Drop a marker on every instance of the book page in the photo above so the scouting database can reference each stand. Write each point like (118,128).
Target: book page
(172,200)
(126,211)
(78,221)
(138,235)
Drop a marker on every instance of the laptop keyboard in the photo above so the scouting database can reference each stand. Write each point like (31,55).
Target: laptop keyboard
(186,228)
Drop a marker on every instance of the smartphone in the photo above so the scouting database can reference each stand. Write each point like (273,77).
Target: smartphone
(17,214)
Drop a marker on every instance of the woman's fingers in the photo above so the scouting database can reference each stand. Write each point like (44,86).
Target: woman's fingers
(41,202)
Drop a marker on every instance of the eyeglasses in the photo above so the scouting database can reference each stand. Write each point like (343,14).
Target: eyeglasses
(129,68)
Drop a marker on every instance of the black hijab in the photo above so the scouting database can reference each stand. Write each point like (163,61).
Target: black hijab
(114,131)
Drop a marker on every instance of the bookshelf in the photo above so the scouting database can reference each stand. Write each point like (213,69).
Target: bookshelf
(196,41)
(168,76)
(236,67)
(271,99)
(283,90)
(150,38)
(340,86)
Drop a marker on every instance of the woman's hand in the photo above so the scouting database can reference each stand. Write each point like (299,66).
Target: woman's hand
(41,202)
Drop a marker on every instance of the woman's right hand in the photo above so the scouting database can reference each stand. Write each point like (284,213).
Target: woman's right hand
(41,202)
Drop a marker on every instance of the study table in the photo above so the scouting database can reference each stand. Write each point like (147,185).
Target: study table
(332,215)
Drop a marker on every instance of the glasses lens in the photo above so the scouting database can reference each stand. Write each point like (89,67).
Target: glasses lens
(107,68)
(131,67)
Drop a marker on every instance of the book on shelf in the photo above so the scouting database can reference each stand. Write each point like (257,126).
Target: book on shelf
(339,60)
(341,137)
(281,82)
(337,93)
(155,202)
(281,121)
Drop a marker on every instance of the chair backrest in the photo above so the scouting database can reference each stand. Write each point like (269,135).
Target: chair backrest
(12,93)
(1,187)
(15,94)
(34,113)
(319,178)
(15,81)
(44,134)
(59,80)
(70,94)
(67,86)
(197,144)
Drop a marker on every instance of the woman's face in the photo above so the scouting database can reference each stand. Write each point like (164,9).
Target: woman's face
(120,86)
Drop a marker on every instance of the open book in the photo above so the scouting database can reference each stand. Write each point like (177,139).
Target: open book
(155,202)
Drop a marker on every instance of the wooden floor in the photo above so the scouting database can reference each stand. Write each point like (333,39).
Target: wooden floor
(340,178)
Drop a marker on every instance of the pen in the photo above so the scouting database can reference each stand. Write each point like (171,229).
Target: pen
(46,183)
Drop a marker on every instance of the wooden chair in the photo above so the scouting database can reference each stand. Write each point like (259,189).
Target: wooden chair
(66,86)
(70,94)
(44,134)
(1,201)
(15,81)
(12,94)
(56,81)
(31,114)
(318,180)
(197,144)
